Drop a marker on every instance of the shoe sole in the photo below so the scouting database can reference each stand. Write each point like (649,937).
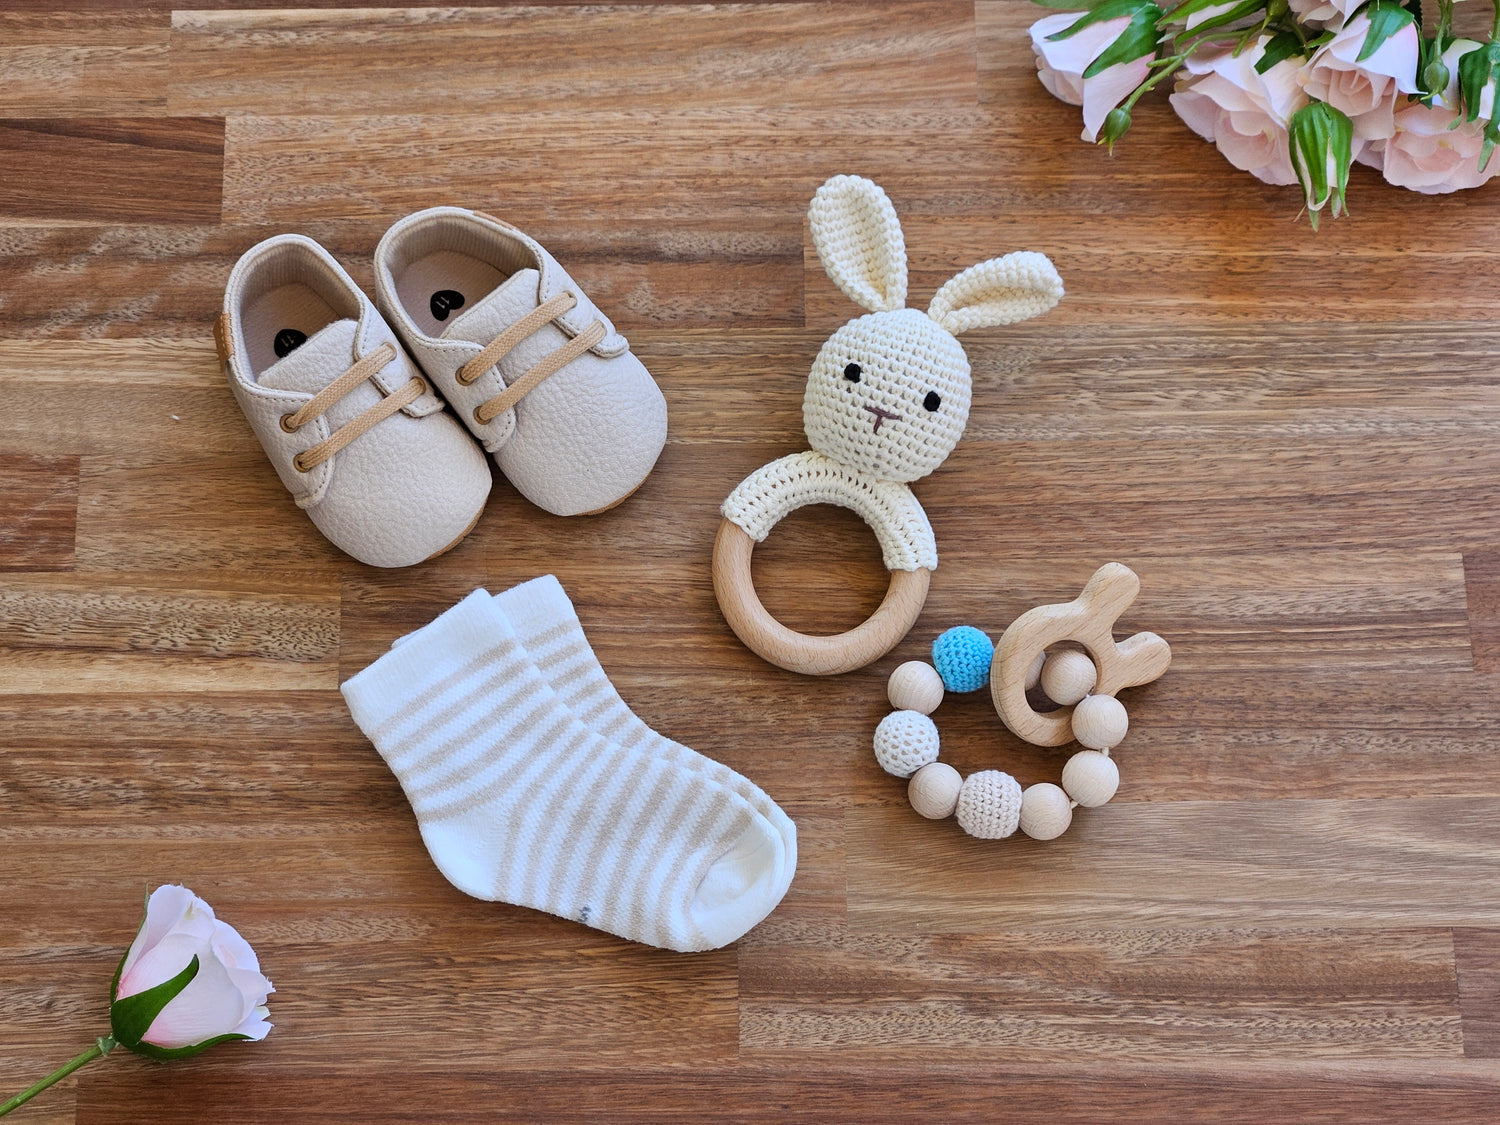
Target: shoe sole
(462,535)
(616,504)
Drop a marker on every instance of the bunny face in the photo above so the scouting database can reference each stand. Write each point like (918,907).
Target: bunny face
(888,395)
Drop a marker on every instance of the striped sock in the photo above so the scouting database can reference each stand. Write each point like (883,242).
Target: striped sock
(519,802)
(547,626)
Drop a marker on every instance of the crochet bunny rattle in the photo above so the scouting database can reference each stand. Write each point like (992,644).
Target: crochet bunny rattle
(886,402)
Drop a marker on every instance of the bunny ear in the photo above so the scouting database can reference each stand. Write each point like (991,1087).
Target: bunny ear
(858,238)
(1004,290)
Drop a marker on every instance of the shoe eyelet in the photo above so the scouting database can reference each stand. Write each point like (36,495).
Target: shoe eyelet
(481,420)
(288,428)
(463,379)
(297,464)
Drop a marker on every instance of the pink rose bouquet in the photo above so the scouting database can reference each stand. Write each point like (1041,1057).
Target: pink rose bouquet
(187,982)
(1291,91)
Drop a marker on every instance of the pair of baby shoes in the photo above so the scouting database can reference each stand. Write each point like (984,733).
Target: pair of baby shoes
(349,403)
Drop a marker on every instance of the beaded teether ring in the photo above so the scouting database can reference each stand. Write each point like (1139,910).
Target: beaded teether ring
(990,804)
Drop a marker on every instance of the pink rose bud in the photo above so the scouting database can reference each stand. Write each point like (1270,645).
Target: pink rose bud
(1321,138)
(186,1008)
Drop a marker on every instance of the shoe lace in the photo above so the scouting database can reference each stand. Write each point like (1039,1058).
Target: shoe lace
(498,348)
(363,368)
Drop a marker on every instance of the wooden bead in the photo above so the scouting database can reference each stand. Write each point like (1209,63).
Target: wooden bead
(905,741)
(1100,722)
(1046,811)
(1034,673)
(933,791)
(1068,676)
(1091,778)
(915,686)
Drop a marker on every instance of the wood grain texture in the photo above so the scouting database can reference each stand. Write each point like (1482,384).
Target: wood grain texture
(1293,439)
(65,62)
(1482,585)
(38,512)
(1144,1093)
(519,59)
(143,633)
(1477,952)
(113,169)
(1125,994)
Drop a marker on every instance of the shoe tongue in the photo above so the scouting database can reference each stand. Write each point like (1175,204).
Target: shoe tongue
(506,304)
(311,366)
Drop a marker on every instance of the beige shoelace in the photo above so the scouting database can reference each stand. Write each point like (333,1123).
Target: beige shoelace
(366,366)
(544,369)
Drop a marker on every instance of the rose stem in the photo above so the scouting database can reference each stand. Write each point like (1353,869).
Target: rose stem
(102,1046)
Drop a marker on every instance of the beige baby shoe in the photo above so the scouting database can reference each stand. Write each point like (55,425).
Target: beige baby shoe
(529,364)
(352,428)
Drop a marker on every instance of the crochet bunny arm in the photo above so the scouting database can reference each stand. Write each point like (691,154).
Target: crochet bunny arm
(768,495)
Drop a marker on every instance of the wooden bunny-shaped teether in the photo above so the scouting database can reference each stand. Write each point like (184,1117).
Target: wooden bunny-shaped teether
(886,402)
(1087,620)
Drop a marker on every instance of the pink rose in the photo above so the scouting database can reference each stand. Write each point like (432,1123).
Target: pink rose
(1245,114)
(228,995)
(1367,91)
(1426,153)
(1060,64)
(1323,13)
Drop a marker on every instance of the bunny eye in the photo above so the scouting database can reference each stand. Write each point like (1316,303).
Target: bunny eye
(852,373)
(932,401)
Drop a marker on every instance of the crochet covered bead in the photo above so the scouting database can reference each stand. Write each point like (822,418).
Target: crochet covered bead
(962,657)
(989,805)
(905,741)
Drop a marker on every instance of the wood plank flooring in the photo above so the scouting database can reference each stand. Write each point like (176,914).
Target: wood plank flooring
(1290,911)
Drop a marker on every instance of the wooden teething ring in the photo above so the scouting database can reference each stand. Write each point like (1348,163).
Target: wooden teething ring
(1089,620)
(769,639)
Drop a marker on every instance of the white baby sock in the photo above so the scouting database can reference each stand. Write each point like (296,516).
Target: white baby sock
(547,626)
(519,802)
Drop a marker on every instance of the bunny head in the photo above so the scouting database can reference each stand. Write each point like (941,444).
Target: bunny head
(888,394)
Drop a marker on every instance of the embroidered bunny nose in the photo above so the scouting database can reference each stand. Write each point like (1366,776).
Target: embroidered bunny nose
(882,416)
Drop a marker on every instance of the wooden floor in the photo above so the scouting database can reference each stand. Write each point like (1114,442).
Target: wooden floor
(1291,912)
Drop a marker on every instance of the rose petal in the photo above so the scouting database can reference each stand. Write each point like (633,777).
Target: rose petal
(164,909)
(232,949)
(1108,89)
(211,1005)
(1073,54)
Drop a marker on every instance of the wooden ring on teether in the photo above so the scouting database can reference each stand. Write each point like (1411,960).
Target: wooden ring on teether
(769,639)
(1088,620)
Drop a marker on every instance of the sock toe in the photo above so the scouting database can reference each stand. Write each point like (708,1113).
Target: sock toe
(742,886)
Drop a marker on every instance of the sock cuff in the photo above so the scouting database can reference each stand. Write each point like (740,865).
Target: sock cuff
(537,605)
(420,663)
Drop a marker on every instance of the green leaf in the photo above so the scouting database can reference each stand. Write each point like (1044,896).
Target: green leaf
(1238,12)
(1282,46)
(1477,70)
(1138,40)
(1491,139)
(1184,11)
(130,1018)
(1108,10)
(1385,20)
(166,1054)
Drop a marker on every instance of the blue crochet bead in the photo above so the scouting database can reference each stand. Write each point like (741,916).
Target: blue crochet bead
(962,657)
